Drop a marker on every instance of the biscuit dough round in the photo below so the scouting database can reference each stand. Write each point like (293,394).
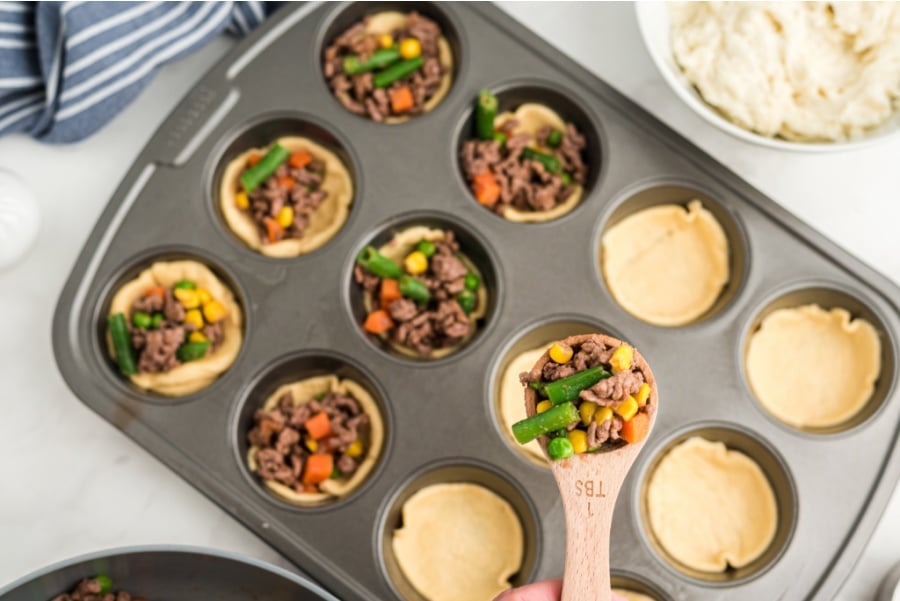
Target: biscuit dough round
(459,542)
(806,71)
(631,595)
(191,376)
(531,117)
(833,362)
(325,222)
(303,391)
(388,22)
(710,507)
(511,403)
(396,249)
(666,265)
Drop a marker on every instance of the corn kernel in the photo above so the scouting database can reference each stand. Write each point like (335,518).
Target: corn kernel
(643,394)
(242,200)
(587,411)
(311,444)
(416,262)
(410,48)
(197,337)
(543,406)
(214,311)
(578,438)
(285,217)
(561,353)
(203,295)
(188,298)
(602,415)
(194,317)
(355,449)
(385,40)
(627,408)
(622,358)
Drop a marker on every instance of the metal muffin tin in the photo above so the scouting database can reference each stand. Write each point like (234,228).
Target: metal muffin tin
(302,315)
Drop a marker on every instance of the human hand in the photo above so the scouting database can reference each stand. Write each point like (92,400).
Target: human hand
(547,590)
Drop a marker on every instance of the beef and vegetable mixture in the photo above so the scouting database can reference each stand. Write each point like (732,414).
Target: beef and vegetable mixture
(422,294)
(593,393)
(98,588)
(390,66)
(526,166)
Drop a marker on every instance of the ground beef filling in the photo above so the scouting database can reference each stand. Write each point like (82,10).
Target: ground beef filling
(358,93)
(157,347)
(90,589)
(285,444)
(625,386)
(525,184)
(441,322)
(299,188)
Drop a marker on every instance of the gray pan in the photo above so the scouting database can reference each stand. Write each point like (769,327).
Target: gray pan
(303,315)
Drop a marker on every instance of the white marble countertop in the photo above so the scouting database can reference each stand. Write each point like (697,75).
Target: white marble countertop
(72,483)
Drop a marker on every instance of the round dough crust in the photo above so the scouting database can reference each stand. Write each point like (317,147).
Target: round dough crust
(459,542)
(631,595)
(531,118)
(396,249)
(325,222)
(834,364)
(192,376)
(303,391)
(666,265)
(390,21)
(511,404)
(710,507)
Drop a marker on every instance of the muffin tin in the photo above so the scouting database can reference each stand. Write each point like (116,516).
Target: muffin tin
(302,315)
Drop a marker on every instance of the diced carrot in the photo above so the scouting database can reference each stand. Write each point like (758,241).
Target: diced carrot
(274,231)
(318,468)
(402,99)
(312,488)
(486,189)
(300,159)
(378,322)
(390,291)
(286,182)
(636,429)
(156,291)
(253,159)
(318,426)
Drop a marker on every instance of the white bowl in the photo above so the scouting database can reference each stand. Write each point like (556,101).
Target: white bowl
(653,21)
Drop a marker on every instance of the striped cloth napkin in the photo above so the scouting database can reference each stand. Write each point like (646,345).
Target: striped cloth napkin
(67,68)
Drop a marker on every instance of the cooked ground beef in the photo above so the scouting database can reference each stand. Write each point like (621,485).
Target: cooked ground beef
(283,441)
(296,187)
(358,93)
(525,184)
(89,590)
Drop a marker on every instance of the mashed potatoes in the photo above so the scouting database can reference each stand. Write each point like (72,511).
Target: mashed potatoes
(802,71)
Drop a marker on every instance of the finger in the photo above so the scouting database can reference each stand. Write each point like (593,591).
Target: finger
(548,590)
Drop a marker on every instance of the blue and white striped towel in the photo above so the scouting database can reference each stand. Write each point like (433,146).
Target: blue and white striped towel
(66,68)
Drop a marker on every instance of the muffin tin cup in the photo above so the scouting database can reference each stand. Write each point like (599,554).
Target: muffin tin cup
(301,316)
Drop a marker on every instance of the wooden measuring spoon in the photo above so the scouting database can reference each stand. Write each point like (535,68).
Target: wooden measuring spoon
(589,484)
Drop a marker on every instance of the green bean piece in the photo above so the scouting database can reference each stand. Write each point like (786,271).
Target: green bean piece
(185,285)
(550,162)
(260,172)
(560,448)
(566,178)
(105,583)
(192,351)
(485,113)
(141,320)
(472,281)
(379,59)
(376,263)
(500,137)
(560,432)
(414,289)
(158,319)
(118,331)
(554,138)
(427,248)
(320,396)
(466,300)
(567,389)
(539,386)
(336,473)
(539,424)
(397,71)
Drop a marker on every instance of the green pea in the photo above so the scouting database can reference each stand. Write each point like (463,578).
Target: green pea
(158,319)
(560,448)
(105,584)
(554,138)
(566,178)
(185,285)
(141,320)
(472,281)
(336,473)
(466,301)
(427,248)
(500,137)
